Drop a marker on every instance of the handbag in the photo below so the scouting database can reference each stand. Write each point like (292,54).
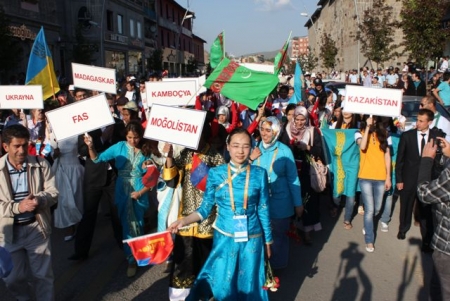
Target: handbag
(317,171)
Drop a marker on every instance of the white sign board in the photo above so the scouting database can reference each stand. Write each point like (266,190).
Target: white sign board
(175,125)
(178,92)
(259,67)
(21,97)
(80,117)
(373,101)
(199,81)
(94,78)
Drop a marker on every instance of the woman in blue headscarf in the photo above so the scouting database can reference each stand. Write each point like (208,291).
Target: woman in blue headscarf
(284,186)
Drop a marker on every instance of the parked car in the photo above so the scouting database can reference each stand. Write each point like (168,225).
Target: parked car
(411,105)
(337,86)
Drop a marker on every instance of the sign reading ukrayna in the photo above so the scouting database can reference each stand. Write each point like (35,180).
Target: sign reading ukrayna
(21,97)
(373,101)
(94,78)
(175,125)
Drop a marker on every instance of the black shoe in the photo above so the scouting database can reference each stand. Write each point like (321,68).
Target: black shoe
(401,235)
(77,257)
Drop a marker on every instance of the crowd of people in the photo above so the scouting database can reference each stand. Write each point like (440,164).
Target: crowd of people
(231,201)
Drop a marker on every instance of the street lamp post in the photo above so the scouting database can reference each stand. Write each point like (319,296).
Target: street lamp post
(180,31)
(357,19)
(310,19)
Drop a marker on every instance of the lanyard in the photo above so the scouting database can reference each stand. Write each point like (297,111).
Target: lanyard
(271,164)
(230,186)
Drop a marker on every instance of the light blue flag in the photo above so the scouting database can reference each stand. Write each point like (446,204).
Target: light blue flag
(297,97)
(40,69)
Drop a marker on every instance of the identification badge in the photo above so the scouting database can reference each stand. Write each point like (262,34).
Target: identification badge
(240,228)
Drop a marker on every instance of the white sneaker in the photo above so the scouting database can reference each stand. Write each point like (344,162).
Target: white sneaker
(363,231)
(384,227)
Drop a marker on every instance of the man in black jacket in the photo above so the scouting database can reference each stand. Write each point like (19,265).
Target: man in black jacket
(416,87)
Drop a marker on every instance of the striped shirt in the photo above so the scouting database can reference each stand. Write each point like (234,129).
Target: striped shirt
(19,183)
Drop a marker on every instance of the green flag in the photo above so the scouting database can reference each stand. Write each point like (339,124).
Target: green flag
(217,51)
(241,84)
(281,57)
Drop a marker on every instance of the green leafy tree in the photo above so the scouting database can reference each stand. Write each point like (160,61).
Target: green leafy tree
(155,61)
(10,50)
(308,61)
(328,51)
(424,34)
(376,33)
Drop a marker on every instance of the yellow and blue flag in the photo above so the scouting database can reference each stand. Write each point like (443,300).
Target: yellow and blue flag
(40,67)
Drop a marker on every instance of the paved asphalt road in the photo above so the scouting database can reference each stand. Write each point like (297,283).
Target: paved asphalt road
(335,267)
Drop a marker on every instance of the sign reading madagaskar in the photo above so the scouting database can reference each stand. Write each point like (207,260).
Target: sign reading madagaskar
(175,125)
(80,117)
(373,101)
(94,78)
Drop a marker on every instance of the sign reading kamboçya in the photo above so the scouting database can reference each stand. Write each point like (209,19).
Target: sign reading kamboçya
(80,117)
(175,125)
(373,101)
(171,93)
(94,78)
(21,97)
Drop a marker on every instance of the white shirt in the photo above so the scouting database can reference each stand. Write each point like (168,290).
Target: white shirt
(419,139)
(391,79)
(442,123)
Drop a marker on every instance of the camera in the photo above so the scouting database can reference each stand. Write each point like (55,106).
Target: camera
(439,133)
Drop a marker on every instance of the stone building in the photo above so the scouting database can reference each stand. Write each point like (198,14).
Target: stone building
(118,34)
(340,19)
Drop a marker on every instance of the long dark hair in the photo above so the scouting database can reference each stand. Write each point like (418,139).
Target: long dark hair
(353,122)
(379,130)
(150,147)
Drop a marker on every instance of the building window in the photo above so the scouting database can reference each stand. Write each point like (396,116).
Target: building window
(120,24)
(139,30)
(109,20)
(132,28)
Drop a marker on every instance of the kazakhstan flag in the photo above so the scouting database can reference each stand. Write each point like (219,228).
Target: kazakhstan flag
(40,67)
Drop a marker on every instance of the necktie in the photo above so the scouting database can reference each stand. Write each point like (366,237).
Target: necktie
(422,144)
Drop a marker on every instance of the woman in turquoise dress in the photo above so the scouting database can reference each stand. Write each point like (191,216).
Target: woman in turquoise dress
(131,196)
(234,269)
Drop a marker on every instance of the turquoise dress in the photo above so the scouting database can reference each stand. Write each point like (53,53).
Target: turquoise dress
(130,172)
(235,270)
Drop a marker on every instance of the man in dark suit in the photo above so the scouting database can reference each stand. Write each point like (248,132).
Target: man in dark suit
(99,184)
(406,172)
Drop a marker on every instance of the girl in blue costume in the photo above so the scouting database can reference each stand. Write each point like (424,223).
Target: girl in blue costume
(284,186)
(234,269)
(131,196)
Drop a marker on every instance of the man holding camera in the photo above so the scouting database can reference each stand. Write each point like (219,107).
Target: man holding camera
(409,153)
(437,192)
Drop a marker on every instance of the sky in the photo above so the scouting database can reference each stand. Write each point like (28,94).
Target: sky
(250,26)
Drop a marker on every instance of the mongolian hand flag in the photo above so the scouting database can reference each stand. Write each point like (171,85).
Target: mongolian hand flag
(248,87)
(297,97)
(217,52)
(151,248)
(40,67)
(199,173)
(281,57)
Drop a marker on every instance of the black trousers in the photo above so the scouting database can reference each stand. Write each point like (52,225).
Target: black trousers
(92,197)
(407,199)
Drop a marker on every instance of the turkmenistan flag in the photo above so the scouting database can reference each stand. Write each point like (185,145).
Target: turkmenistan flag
(217,50)
(281,57)
(241,84)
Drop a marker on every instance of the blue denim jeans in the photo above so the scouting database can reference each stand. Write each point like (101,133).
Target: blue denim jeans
(349,207)
(386,214)
(372,192)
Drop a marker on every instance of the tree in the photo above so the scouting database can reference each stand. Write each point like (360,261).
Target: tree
(308,61)
(328,51)
(155,61)
(10,51)
(424,34)
(376,33)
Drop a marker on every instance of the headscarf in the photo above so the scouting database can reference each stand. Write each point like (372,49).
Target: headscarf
(223,110)
(275,126)
(298,134)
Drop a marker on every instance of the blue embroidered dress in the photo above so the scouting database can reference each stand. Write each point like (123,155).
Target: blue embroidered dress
(235,270)
(130,171)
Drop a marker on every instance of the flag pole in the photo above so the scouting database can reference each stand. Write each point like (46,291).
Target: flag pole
(48,64)
(223,37)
